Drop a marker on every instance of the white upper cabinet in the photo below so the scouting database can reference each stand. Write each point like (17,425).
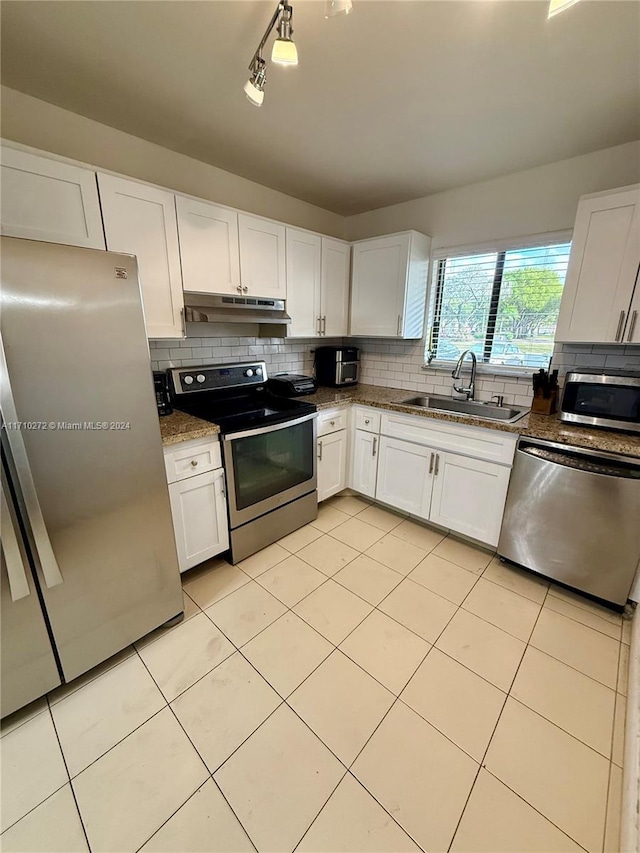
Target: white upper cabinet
(262,257)
(389,286)
(141,220)
(304,252)
(45,199)
(603,270)
(208,247)
(334,288)
(317,285)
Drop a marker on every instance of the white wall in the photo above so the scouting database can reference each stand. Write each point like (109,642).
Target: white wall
(50,128)
(523,203)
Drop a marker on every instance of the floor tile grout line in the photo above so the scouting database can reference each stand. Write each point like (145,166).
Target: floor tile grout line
(204,763)
(28,720)
(93,677)
(584,624)
(66,767)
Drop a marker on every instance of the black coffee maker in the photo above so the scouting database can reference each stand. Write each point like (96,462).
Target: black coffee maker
(337,366)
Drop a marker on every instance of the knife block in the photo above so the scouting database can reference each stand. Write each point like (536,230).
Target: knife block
(542,405)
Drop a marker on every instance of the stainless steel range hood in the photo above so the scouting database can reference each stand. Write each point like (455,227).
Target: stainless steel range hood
(208,308)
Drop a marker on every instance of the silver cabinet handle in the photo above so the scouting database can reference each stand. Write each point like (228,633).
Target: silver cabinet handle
(620,325)
(333,423)
(324,324)
(431,463)
(318,325)
(223,493)
(320,451)
(435,473)
(239,288)
(194,463)
(399,324)
(16,573)
(375,444)
(632,325)
(245,289)
(48,563)
(367,421)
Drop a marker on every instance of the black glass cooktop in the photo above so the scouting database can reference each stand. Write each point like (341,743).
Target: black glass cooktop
(246,412)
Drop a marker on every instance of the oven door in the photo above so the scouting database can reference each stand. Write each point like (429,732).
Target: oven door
(269,466)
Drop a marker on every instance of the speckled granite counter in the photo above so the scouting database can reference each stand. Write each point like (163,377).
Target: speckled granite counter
(179,426)
(546,427)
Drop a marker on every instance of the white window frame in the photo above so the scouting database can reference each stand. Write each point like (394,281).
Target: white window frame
(503,245)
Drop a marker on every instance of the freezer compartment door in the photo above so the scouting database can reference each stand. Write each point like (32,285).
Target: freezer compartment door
(574,518)
(27,662)
(86,447)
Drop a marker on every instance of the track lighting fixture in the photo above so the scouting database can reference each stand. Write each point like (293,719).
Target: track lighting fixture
(556,6)
(254,87)
(333,8)
(284,52)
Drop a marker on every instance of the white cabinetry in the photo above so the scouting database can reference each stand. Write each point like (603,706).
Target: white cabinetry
(332,453)
(317,285)
(48,200)
(198,501)
(141,220)
(208,247)
(364,462)
(389,286)
(404,476)
(262,257)
(598,302)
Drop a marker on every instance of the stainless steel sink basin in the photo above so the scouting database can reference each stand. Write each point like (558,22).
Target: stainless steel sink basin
(471,408)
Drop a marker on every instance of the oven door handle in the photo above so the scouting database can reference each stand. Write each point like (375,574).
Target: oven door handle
(264,430)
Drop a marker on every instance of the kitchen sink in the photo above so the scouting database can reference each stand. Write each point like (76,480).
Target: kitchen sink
(472,408)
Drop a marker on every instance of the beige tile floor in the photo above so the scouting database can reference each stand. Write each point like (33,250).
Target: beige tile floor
(366,684)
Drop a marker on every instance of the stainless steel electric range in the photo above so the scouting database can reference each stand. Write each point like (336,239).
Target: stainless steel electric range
(268,448)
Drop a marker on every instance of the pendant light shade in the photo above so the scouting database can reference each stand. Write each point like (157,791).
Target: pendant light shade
(284,50)
(557,6)
(254,87)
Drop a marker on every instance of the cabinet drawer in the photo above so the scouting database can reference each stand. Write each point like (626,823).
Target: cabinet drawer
(367,420)
(332,422)
(191,458)
(480,442)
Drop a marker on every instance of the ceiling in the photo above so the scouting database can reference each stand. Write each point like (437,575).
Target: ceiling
(398,100)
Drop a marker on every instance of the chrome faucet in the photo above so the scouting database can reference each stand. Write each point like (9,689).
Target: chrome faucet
(468,392)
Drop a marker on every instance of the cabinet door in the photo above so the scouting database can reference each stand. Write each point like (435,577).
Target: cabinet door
(303,283)
(364,464)
(404,476)
(141,220)
(198,506)
(378,286)
(334,289)
(208,247)
(262,257)
(47,200)
(332,464)
(603,266)
(469,496)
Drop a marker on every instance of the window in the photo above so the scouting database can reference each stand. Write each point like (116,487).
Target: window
(503,305)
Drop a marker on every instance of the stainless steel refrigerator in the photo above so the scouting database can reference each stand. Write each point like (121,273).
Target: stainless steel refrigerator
(89,560)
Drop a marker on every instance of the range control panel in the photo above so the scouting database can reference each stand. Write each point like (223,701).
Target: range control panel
(216,377)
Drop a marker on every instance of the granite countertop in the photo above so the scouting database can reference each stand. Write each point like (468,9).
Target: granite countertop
(179,426)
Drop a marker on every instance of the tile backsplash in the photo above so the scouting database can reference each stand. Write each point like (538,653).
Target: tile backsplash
(384,362)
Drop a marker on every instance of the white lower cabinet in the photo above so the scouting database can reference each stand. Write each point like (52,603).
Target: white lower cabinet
(332,464)
(364,462)
(404,476)
(198,500)
(469,496)
(198,506)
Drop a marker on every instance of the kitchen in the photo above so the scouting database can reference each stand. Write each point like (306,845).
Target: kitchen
(315,694)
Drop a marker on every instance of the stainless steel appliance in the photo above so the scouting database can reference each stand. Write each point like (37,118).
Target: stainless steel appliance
(573,515)
(336,366)
(292,384)
(89,558)
(595,398)
(268,445)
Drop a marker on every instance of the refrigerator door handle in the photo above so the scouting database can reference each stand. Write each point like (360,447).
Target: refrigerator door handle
(48,563)
(16,573)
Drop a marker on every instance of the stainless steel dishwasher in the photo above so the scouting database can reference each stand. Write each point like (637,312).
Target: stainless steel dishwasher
(573,515)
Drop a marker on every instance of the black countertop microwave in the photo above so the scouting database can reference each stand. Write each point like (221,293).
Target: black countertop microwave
(608,399)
